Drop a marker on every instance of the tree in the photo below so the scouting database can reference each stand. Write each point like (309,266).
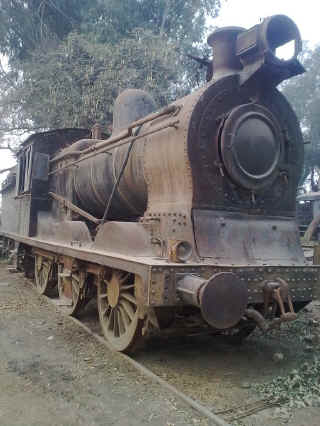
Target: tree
(68,73)
(76,84)
(303,92)
(181,20)
(27,24)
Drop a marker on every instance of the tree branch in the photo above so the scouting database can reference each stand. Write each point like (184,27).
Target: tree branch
(8,147)
(5,170)
(164,17)
(21,129)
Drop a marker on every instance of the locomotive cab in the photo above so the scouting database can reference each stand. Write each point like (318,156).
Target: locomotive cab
(25,191)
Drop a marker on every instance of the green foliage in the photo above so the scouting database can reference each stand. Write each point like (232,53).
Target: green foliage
(182,20)
(70,59)
(27,24)
(303,92)
(76,84)
(300,388)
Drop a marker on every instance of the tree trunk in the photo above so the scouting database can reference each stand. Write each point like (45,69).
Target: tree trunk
(311,228)
(164,17)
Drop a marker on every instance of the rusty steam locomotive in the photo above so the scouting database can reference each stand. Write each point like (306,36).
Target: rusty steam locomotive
(183,216)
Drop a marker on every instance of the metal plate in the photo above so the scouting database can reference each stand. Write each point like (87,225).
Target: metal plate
(241,239)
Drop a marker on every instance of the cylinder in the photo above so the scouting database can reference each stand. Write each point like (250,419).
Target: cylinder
(222,299)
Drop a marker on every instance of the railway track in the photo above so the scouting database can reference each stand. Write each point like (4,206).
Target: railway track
(213,418)
(90,327)
(160,359)
(218,417)
(152,369)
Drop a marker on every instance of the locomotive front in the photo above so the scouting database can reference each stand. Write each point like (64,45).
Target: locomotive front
(222,186)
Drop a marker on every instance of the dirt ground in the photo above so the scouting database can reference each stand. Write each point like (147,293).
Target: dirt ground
(53,373)
(222,376)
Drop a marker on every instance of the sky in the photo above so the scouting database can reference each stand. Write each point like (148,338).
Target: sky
(246,13)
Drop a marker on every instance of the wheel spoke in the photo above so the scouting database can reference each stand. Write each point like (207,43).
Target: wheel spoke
(126,287)
(76,277)
(45,276)
(128,309)
(124,278)
(122,325)
(129,297)
(116,323)
(124,316)
(106,310)
(75,287)
(111,321)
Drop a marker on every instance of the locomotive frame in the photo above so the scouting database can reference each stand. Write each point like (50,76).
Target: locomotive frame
(184,213)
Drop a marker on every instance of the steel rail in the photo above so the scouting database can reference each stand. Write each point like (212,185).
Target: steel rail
(214,420)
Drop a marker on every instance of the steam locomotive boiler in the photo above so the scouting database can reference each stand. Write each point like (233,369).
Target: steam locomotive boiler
(185,214)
